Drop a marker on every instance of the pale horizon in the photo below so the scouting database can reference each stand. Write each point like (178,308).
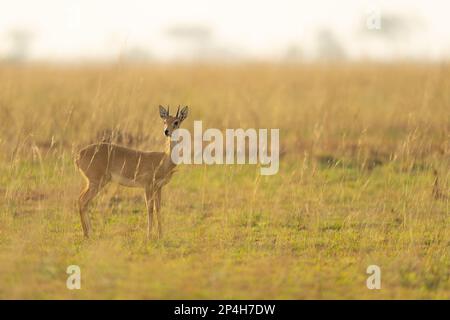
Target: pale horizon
(68,31)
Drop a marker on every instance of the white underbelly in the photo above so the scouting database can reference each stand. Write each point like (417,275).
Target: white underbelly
(124,181)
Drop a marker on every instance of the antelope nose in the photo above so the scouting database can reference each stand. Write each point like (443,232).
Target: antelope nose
(166,132)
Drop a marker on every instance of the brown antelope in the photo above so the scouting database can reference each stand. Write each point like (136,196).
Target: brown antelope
(103,162)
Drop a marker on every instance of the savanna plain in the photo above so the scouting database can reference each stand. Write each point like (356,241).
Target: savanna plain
(364,180)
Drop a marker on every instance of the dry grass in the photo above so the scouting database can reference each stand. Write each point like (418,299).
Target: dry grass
(364,179)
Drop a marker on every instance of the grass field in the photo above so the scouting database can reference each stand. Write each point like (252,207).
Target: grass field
(362,146)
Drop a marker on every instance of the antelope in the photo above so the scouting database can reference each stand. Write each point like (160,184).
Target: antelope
(103,162)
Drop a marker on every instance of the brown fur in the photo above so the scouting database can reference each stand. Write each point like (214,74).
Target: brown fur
(103,162)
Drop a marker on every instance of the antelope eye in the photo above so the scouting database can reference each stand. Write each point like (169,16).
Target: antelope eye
(175,123)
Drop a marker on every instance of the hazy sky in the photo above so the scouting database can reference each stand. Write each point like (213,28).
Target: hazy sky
(263,29)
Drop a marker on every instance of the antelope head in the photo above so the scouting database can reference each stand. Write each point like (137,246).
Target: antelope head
(171,123)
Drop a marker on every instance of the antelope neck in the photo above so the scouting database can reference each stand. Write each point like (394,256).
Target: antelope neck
(168,152)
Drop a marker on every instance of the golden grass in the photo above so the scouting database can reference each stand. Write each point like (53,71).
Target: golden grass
(360,144)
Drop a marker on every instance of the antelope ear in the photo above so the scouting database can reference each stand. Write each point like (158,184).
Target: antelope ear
(183,113)
(163,113)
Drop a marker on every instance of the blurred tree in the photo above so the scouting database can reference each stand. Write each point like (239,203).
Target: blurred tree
(328,47)
(293,54)
(196,39)
(392,27)
(137,55)
(20,43)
